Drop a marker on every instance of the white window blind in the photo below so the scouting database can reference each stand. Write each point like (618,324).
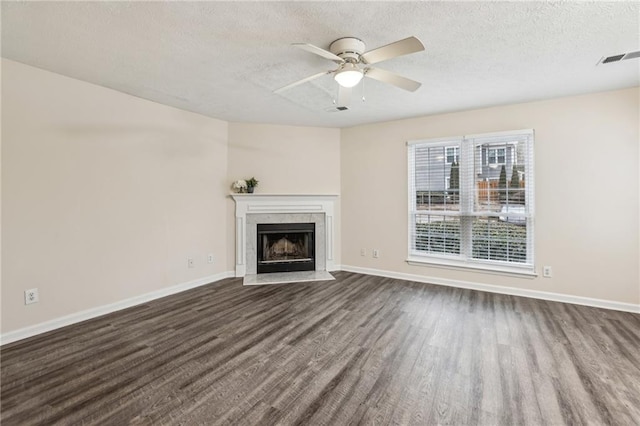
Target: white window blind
(477,211)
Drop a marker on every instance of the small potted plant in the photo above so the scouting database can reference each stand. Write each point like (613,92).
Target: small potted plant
(251,183)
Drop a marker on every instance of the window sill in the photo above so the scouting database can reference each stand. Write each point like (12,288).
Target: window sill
(521,272)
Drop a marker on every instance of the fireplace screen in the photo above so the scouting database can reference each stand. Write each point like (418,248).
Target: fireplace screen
(284,247)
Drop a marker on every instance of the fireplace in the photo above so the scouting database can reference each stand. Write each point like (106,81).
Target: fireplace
(252,209)
(285,247)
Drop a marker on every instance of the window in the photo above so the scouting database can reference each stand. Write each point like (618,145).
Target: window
(497,156)
(452,153)
(467,213)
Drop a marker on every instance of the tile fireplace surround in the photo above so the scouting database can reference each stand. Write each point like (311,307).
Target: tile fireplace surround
(252,209)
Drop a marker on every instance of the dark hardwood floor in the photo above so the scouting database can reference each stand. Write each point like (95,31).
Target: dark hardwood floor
(358,350)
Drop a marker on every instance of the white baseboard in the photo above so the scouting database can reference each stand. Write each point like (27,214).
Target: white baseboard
(43,327)
(534,294)
(46,326)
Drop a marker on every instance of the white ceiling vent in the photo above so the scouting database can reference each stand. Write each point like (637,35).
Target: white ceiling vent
(620,57)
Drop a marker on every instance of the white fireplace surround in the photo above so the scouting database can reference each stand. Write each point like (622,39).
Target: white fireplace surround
(291,208)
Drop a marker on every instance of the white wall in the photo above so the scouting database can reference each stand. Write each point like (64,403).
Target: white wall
(286,160)
(104,195)
(586,186)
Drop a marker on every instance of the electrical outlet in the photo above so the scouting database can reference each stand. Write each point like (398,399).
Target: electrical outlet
(363,252)
(376,253)
(31,296)
(210,258)
(547,272)
(190,263)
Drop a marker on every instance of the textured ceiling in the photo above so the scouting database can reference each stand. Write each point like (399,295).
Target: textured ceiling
(224,59)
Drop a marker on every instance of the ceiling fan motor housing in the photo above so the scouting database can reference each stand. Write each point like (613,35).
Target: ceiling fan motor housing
(348,48)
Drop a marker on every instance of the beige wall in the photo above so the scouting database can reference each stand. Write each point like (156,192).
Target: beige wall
(286,160)
(586,166)
(104,195)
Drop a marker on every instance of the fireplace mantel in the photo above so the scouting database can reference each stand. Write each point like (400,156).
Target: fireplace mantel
(248,204)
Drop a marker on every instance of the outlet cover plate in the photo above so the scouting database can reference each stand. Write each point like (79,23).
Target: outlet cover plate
(31,296)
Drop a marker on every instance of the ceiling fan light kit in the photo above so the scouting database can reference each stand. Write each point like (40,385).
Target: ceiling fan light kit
(354,63)
(348,75)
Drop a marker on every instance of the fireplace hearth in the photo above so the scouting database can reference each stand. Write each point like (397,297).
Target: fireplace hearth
(285,247)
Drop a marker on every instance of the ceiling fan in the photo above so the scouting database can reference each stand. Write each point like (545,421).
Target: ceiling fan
(353,63)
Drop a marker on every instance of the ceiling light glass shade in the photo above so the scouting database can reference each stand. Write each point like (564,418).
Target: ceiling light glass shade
(349,75)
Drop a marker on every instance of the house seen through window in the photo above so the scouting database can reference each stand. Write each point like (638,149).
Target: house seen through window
(497,155)
(452,154)
(471,201)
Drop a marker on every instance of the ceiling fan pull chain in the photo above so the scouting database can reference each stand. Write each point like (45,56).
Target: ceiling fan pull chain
(363,99)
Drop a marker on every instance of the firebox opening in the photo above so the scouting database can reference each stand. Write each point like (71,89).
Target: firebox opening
(286,247)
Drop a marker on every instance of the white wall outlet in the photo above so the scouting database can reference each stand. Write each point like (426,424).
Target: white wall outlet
(363,252)
(210,258)
(31,296)
(547,272)
(190,263)
(376,253)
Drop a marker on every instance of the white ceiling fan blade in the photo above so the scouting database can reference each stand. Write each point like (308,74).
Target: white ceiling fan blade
(304,80)
(393,50)
(318,51)
(344,97)
(393,79)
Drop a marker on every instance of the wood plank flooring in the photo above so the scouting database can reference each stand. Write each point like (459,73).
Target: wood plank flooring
(358,350)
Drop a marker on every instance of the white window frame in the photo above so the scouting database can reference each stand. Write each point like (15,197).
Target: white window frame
(467,210)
